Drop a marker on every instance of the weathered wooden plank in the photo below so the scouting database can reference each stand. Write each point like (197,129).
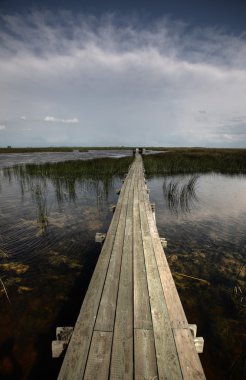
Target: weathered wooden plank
(115,218)
(98,362)
(106,313)
(175,308)
(176,312)
(188,357)
(144,355)
(166,353)
(122,350)
(142,315)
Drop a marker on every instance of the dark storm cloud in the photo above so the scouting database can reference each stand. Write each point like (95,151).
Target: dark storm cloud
(104,82)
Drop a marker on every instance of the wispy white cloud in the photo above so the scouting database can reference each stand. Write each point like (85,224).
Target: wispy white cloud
(2,127)
(23,118)
(52,119)
(131,84)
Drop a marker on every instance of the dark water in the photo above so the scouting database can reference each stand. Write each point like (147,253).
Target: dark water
(204,221)
(48,253)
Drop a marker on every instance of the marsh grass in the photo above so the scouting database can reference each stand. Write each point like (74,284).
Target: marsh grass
(189,161)
(94,176)
(180,194)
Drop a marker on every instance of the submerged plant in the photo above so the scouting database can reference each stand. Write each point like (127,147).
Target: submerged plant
(5,290)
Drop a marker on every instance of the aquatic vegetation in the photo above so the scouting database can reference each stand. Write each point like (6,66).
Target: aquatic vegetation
(65,175)
(4,290)
(94,175)
(38,189)
(181,161)
(24,289)
(18,268)
(179,193)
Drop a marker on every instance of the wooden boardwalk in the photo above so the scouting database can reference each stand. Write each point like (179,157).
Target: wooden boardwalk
(132,324)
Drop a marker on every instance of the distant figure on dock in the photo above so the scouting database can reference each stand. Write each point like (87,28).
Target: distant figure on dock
(139,150)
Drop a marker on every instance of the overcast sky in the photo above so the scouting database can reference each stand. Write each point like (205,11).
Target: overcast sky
(103,73)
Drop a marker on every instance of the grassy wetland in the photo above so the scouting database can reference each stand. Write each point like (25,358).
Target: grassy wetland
(197,161)
(50,213)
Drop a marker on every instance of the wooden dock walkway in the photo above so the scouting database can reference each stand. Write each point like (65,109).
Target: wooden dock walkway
(132,324)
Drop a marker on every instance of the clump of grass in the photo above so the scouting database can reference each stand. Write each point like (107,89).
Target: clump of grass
(95,175)
(99,168)
(196,160)
(180,196)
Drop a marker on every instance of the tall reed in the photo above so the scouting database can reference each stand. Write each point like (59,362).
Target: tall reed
(226,161)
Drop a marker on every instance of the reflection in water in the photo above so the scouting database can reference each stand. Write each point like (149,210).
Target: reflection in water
(180,193)
(38,187)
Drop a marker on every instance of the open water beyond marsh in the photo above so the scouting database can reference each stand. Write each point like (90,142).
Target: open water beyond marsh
(49,215)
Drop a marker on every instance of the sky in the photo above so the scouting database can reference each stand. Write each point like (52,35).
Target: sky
(114,73)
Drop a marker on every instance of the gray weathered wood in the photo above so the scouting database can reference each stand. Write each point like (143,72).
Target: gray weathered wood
(98,362)
(106,312)
(122,350)
(142,315)
(188,357)
(144,355)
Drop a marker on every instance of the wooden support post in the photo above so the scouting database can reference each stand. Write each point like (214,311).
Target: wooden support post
(163,242)
(63,335)
(198,341)
(199,344)
(100,237)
